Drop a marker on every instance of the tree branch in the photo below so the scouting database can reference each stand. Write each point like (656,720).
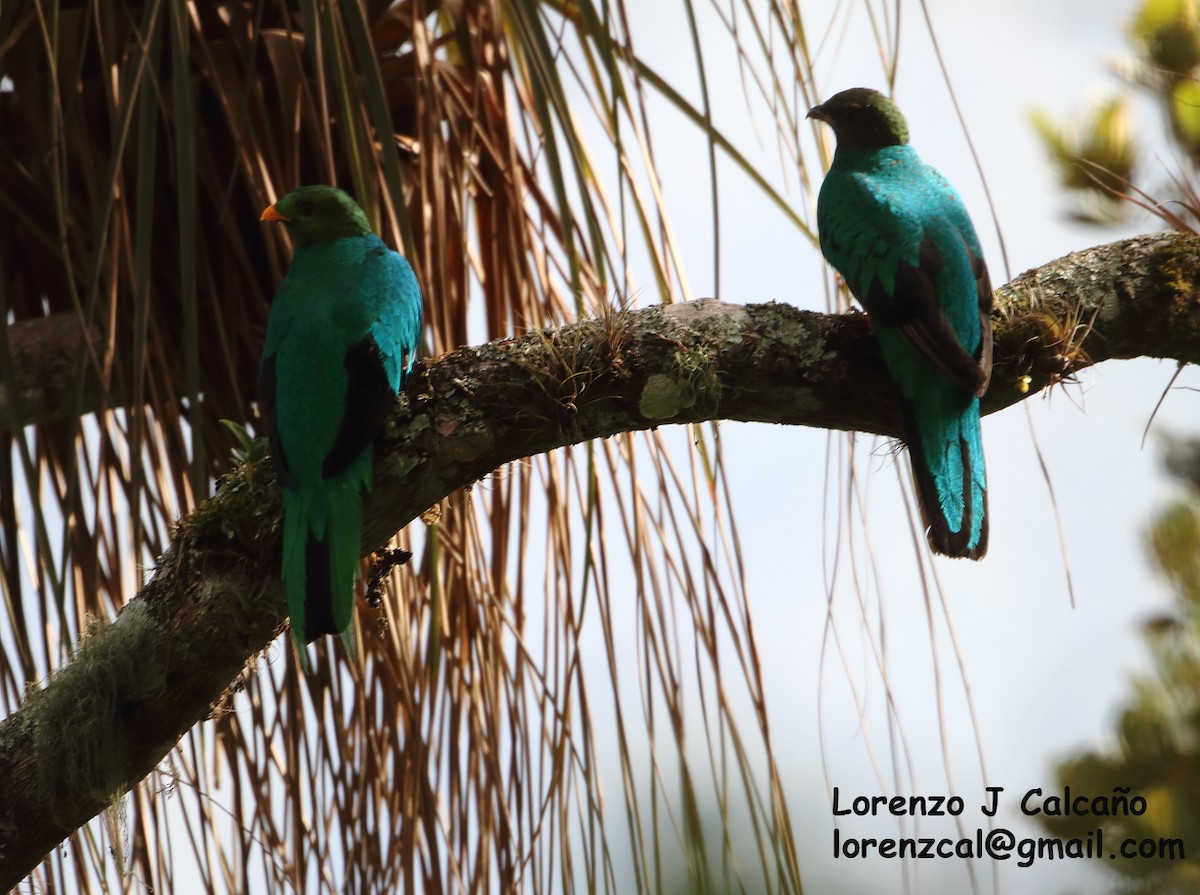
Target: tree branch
(47,380)
(106,719)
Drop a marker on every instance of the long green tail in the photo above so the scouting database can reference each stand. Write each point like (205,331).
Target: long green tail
(945,443)
(322,545)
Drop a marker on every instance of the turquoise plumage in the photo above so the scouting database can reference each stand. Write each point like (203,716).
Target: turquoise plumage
(342,336)
(900,236)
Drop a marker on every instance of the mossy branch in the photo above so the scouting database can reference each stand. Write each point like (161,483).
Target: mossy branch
(104,721)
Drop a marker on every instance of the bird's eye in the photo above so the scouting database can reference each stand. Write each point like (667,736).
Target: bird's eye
(305,209)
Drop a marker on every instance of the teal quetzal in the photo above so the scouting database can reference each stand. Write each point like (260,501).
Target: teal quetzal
(342,335)
(900,237)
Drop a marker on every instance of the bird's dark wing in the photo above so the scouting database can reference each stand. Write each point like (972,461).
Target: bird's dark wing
(367,402)
(983,286)
(913,309)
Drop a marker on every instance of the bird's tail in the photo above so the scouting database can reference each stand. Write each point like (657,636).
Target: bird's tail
(322,536)
(946,448)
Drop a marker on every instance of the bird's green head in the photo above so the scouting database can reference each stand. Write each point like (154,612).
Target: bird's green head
(862,118)
(316,214)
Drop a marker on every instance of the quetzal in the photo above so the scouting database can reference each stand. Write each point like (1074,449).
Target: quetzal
(899,235)
(343,332)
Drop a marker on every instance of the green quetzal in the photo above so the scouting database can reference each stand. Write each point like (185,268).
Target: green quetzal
(899,235)
(343,333)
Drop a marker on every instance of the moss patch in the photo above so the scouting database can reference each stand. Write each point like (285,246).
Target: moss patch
(665,396)
(87,719)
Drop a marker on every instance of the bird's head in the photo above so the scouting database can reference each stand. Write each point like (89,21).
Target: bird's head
(862,118)
(316,214)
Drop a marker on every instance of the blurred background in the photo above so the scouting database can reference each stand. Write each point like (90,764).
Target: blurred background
(640,664)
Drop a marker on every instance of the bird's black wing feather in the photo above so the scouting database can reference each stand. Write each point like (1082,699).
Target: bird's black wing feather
(913,309)
(368,400)
(983,285)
